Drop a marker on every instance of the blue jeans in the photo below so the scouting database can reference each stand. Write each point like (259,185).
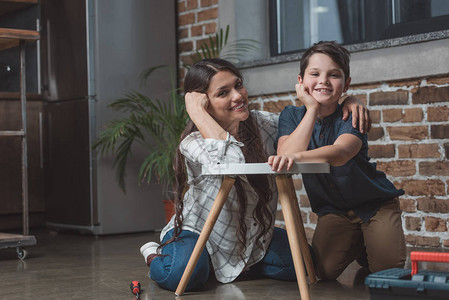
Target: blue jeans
(168,268)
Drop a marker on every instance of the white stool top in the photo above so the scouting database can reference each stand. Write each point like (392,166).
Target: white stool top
(263,168)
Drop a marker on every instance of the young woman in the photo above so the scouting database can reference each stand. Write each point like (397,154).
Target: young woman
(222,130)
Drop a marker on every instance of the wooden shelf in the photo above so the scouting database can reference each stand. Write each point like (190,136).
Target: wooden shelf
(16,96)
(7,6)
(10,38)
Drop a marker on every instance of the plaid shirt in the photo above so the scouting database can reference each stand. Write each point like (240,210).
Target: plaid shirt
(222,245)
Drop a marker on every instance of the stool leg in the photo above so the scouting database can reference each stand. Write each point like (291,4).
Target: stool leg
(288,211)
(219,201)
(305,250)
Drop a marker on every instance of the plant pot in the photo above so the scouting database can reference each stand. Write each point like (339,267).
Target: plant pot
(169,206)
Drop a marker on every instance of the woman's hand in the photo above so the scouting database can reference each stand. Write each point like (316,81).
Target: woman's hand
(279,162)
(359,113)
(305,97)
(196,103)
(196,106)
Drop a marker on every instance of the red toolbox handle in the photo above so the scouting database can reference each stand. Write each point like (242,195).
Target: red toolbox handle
(426,256)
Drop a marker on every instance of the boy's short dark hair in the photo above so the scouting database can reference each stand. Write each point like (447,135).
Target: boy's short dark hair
(335,51)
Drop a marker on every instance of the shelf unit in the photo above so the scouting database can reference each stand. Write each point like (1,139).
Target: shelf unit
(10,38)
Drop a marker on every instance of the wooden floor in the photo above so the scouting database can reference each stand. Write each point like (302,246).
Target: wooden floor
(73,266)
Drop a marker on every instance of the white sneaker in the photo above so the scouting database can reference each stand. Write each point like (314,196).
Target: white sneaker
(149,248)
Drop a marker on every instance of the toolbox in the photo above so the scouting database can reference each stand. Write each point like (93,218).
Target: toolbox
(406,284)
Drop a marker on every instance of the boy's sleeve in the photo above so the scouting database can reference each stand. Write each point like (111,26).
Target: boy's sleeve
(289,119)
(346,127)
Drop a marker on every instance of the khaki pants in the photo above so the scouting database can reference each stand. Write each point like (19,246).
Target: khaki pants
(339,239)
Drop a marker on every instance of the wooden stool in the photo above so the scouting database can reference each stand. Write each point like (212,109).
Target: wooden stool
(290,209)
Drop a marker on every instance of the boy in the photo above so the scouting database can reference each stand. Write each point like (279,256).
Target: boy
(357,206)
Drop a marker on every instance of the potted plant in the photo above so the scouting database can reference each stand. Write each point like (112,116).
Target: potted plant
(156,124)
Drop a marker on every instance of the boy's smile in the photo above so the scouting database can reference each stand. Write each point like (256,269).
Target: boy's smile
(325,81)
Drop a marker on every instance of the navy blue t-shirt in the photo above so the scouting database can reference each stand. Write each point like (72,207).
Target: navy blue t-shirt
(356,185)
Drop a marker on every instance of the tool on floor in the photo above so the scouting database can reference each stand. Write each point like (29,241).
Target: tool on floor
(135,288)
(398,283)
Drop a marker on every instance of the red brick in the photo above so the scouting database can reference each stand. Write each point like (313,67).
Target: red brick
(431,94)
(412,115)
(375,116)
(407,205)
(438,80)
(392,115)
(202,42)
(183,33)
(192,4)
(363,86)
(276,106)
(209,14)
(181,6)
(186,19)
(437,114)
(408,133)
(432,205)
(186,59)
(279,215)
(413,223)
(423,241)
(422,187)
(397,168)
(404,83)
(297,182)
(381,151)
(375,133)
(206,3)
(446,243)
(304,201)
(185,46)
(435,224)
(446,150)
(304,217)
(313,217)
(419,151)
(210,28)
(438,168)
(309,234)
(254,105)
(196,30)
(439,131)
(388,98)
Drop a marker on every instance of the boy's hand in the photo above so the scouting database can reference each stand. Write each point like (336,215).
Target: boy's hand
(305,97)
(279,162)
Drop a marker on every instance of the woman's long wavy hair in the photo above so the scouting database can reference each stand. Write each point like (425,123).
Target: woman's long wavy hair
(197,80)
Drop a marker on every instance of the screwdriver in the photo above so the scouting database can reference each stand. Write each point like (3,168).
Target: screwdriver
(135,288)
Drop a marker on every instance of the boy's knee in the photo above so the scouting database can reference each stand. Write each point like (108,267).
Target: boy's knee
(385,262)
(329,268)
(327,273)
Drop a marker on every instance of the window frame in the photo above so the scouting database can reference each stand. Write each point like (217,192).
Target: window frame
(399,31)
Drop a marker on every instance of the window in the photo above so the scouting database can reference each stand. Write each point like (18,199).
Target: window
(297,24)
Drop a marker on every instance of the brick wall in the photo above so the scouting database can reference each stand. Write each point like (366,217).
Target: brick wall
(410,143)
(409,139)
(197,20)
